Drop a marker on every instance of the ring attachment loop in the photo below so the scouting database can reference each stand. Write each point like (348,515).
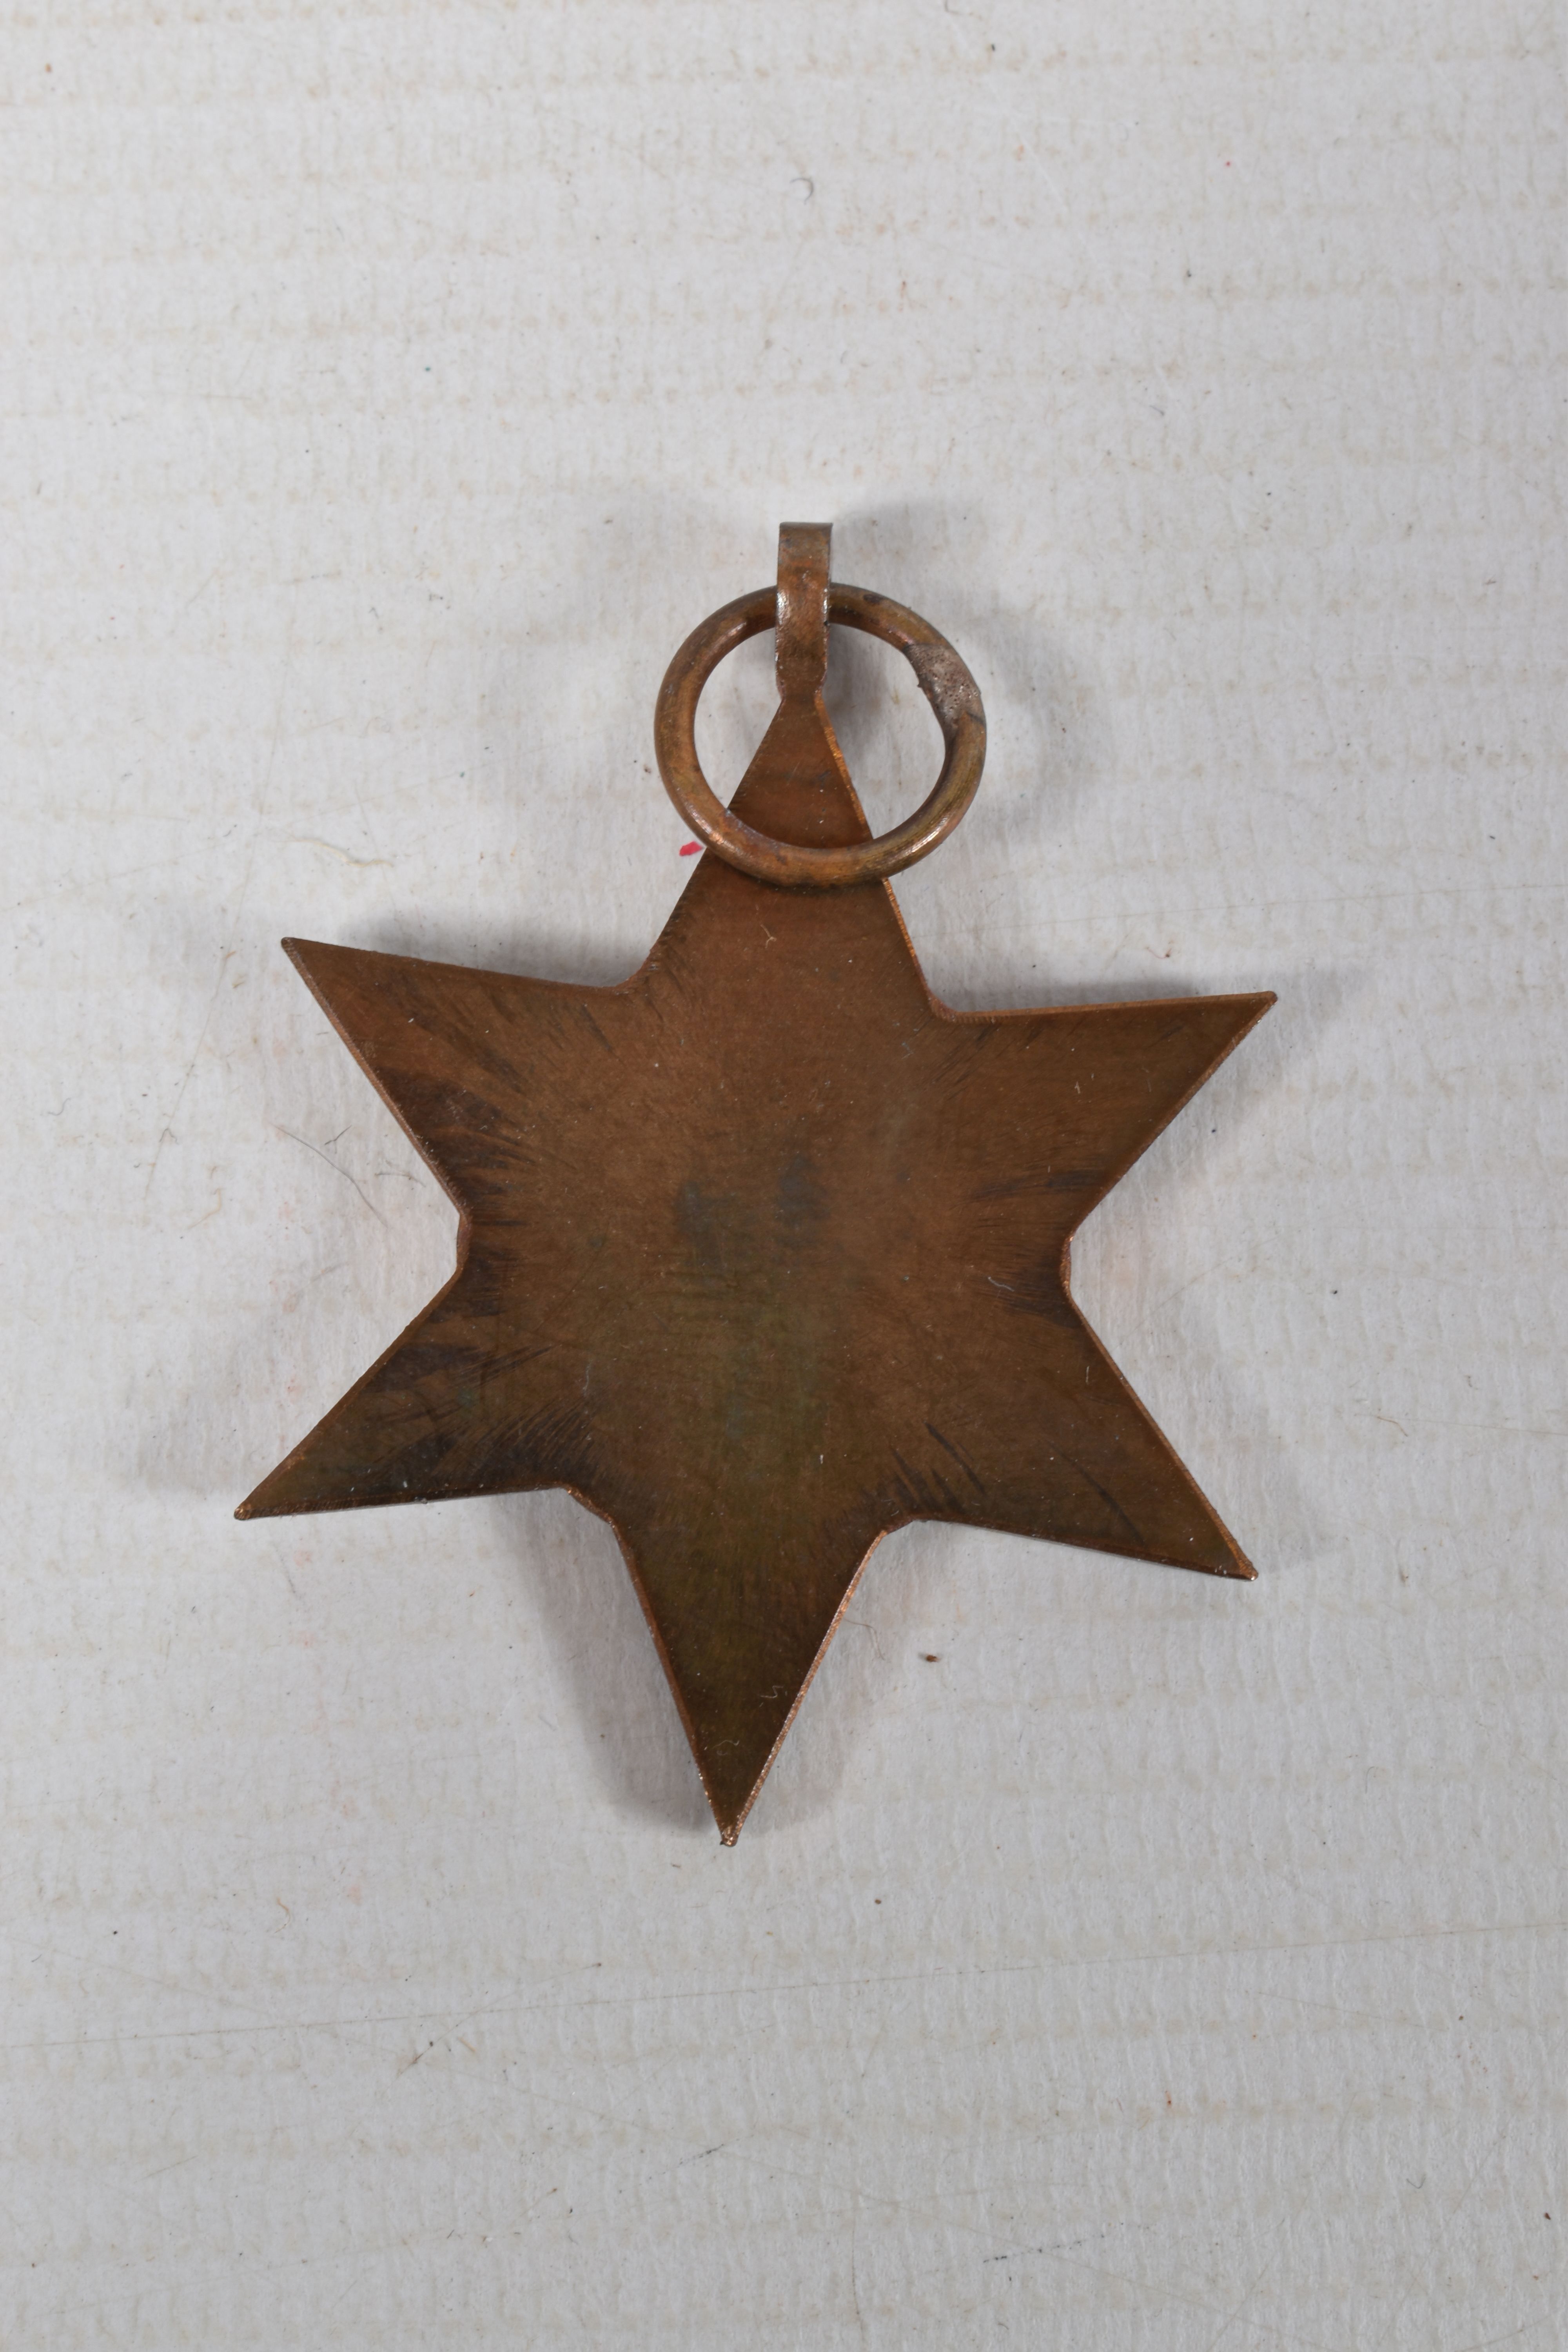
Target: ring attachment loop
(944,680)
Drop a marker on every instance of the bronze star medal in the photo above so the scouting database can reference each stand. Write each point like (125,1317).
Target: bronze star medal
(765,1252)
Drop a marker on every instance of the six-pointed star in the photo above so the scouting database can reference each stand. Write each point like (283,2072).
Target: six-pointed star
(763,1254)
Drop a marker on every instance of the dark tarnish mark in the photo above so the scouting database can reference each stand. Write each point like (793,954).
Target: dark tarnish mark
(700,1221)
(961,1062)
(801,1201)
(436,1106)
(965,1463)
(439,1022)
(953,1502)
(506,1361)
(1041,1289)
(550,1447)
(1105,1496)
(484,1283)
(913,1486)
(585,1014)
(419,1468)
(427,1359)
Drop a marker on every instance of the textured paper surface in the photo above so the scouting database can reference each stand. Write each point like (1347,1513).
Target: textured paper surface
(1115,1958)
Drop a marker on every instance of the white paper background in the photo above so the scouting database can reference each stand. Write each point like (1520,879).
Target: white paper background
(1170,1964)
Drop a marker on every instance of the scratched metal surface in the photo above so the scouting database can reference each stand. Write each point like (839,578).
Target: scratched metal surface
(1113,1958)
(762,1256)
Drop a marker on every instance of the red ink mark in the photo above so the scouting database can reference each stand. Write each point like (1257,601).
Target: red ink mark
(692,849)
